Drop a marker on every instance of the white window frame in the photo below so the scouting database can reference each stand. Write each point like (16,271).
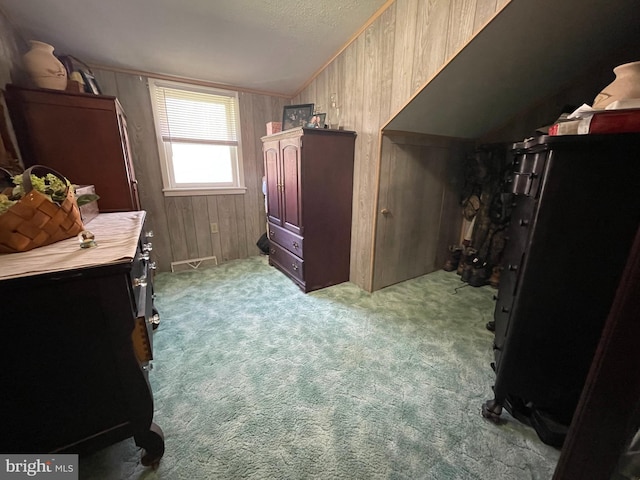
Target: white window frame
(237,186)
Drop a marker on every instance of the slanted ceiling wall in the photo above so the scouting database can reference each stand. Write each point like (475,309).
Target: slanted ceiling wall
(375,76)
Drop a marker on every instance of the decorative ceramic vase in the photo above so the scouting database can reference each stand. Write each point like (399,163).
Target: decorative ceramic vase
(626,85)
(45,69)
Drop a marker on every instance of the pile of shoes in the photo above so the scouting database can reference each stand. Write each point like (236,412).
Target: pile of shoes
(466,262)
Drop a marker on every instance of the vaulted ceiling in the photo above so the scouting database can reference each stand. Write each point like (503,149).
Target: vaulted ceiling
(271,46)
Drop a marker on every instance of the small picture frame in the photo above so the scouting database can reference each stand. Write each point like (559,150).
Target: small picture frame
(317,120)
(294,116)
(90,83)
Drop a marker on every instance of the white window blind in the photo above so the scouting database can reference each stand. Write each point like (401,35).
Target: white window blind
(193,116)
(198,137)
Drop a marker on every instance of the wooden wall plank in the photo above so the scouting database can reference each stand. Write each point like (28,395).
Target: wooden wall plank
(179,250)
(202,230)
(248,205)
(353,118)
(485,9)
(386,51)
(403,52)
(241,228)
(185,210)
(368,145)
(462,15)
(212,210)
(228,227)
(431,40)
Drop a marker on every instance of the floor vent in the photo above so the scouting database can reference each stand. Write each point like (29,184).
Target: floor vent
(193,264)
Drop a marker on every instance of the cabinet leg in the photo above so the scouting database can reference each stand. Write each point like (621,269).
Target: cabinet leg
(155,318)
(152,441)
(492,409)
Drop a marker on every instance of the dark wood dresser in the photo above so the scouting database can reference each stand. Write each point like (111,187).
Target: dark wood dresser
(576,212)
(76,343)
(309,176)
(82,136)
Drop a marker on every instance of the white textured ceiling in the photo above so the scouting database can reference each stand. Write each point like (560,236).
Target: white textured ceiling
(272,46)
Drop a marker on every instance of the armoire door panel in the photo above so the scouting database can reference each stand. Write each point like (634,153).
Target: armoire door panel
(292,208)
(274,198)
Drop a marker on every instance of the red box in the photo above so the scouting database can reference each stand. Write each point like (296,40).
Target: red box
(616,121)
(274,127)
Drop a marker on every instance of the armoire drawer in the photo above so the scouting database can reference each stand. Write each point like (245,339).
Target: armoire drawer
(289,263)
(286,239)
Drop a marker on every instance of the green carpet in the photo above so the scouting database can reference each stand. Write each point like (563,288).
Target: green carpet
(254,379)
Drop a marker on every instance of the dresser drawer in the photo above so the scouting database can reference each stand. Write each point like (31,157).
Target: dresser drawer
(286,239)
(287,262)
(141,277)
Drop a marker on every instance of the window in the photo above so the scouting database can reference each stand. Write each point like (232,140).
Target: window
(198,131)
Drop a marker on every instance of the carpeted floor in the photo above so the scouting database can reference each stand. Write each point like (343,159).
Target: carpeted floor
(254,379)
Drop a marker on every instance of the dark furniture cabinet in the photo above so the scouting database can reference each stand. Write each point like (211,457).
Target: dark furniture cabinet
(309,178)
(77,341)
(82,136)
(575,215)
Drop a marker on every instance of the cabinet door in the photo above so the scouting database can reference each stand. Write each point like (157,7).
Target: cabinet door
(290,177)
(128,161)
(272,172)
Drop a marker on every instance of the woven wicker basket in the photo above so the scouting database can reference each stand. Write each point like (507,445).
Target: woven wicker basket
(35,221)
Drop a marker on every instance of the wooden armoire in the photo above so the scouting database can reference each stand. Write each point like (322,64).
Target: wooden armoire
(82,136)
(309,176)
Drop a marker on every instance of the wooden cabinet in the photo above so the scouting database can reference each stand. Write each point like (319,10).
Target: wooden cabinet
(82,136)
(568,244)
(76,343)
(309,176)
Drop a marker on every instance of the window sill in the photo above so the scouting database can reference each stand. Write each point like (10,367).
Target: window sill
(194,192)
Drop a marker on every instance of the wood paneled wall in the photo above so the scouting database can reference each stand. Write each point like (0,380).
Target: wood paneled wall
(375,76)
(182,225)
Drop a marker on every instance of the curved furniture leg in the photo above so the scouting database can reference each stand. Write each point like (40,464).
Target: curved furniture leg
(152,441)
(492,409)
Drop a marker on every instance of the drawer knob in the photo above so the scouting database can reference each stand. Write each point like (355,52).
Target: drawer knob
(294,266)
(513,268)
(153,266)
(272,251)
(147,247)
(295,245)
(523,222)
(504,310)
(155,319)
(144,255)
(149,234)
(140,281)
(271,233)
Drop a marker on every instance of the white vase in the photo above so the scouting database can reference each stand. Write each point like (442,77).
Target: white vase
(45,69)
(626,85)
